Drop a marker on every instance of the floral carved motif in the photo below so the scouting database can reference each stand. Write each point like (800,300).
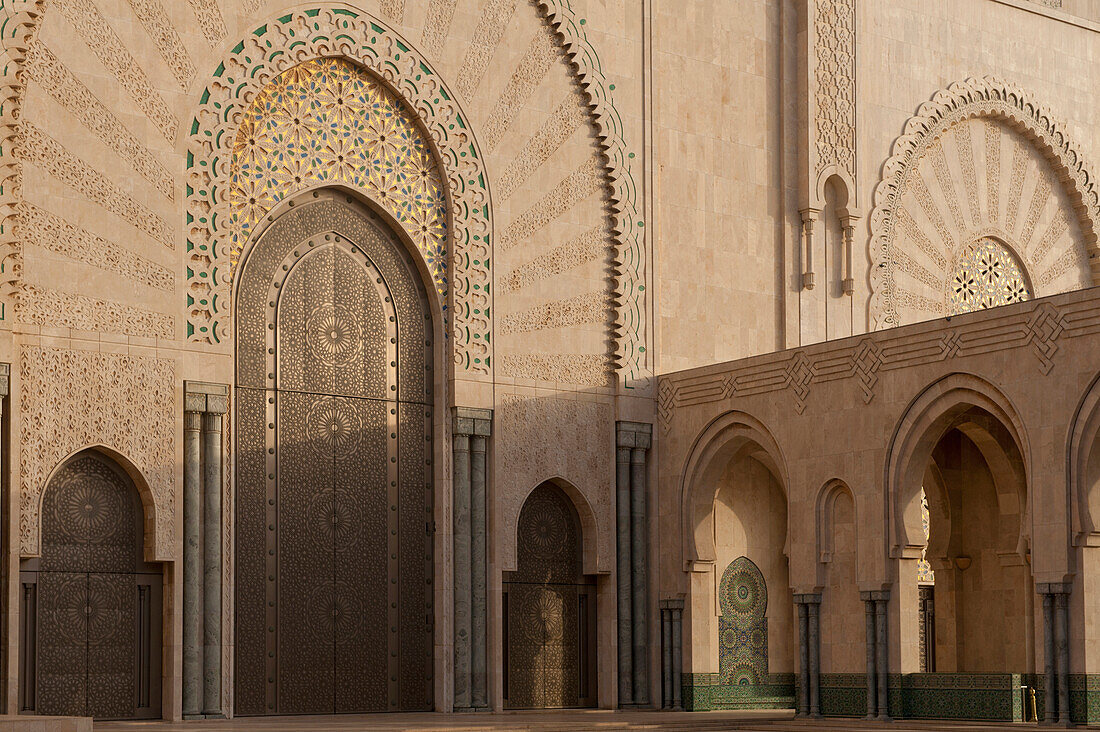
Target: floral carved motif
(1053,162)
(71,400)
(834,98)
(259,59)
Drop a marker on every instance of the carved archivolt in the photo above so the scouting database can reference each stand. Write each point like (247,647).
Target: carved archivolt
(630,245)
(265,54)
(71,400)
(980,160)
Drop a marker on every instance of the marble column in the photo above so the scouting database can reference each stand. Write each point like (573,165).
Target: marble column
(462,603)
(1061,642)
(882,658)
(622,573)
(638,561)
(632,440)
(813,606)
(192,566)
(803,657)
(203,477)
(479,676)
(470,431)
(1049,661)
(677,654)
(869,607)
(666,657)
(212,483)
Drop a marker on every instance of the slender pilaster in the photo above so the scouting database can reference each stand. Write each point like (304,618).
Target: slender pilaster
(666,657)
(479,687)
(813,605)
(622,572)
(1050,693)
(192,565)
(803,657)
(882,659)
(1061,640)
(872,682)
(471,429)
(677,654)
(205,406)
(212,479)
(461,519)
(638,562)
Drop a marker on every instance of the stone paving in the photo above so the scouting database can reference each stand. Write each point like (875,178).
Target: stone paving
(556,721)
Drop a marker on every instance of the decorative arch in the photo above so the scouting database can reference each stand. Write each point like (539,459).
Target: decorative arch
(1082,452)
(941,406)
(826,503)
(330,32)
(628,227)
(137,478)
(1004,103)
(590,559)
(730,436)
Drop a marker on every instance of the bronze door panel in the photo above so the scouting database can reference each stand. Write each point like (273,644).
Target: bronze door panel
(62,644)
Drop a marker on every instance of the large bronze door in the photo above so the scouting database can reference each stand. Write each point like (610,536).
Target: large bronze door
(334,546)
(549,609)
(90,637)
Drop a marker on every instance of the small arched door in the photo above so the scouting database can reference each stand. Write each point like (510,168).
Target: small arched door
(549,609)
(91,605)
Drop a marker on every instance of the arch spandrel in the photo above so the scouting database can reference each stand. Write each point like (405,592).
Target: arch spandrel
(978,161)
(319,36)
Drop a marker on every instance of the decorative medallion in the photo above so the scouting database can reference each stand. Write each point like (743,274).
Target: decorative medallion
(334,335)
(334,426)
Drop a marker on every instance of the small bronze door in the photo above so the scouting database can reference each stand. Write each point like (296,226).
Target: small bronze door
(549,610)
(90,606)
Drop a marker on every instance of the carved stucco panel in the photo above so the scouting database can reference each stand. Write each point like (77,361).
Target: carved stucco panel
(540,438)
(71,400)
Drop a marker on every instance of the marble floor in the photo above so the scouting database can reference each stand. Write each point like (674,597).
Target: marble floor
(560,721)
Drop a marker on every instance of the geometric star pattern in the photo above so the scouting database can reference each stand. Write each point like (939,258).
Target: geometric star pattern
(986,275)
(330,122)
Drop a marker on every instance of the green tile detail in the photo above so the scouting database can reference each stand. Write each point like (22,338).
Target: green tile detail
(704,692)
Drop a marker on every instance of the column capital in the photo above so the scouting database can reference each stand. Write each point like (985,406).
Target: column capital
(807,598)
(5,379)
(672,603)
(199,396)
(473,422)
(1053,588)
(633,434)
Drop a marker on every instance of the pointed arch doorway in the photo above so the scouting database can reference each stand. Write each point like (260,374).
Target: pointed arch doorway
(334,475)
(549,609)
(90,633)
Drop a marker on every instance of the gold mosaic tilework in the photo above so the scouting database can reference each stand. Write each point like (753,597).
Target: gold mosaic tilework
(330,122)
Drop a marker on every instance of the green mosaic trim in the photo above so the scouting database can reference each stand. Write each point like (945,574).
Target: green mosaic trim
(629,227)
(703,692)
(258,59)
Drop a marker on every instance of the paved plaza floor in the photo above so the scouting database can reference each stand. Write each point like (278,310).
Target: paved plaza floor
(558,721)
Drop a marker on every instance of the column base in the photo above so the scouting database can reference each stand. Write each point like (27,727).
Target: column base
(883,718)
(214,715)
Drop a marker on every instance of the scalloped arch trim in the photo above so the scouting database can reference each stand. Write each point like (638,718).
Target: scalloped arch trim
(984,97)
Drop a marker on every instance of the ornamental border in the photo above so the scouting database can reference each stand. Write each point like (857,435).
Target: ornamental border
(629,259)
(268,51)
(975,97)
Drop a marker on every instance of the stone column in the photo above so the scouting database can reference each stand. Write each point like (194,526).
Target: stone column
(1049,665)
(632,469)
(203,477)
(803,656)
(471,428)
(1061,642)
(638,562)
(212,482)
(622,573)
(479,698)
(869,607)
(671,653)
(813,605)
(192,566)
(677,654)
(882,659)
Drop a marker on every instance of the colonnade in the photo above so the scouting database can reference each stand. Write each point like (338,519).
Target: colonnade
(632,442)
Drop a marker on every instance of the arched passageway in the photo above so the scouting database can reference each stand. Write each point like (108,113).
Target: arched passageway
(334,475)
(549,609)
(90,635)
